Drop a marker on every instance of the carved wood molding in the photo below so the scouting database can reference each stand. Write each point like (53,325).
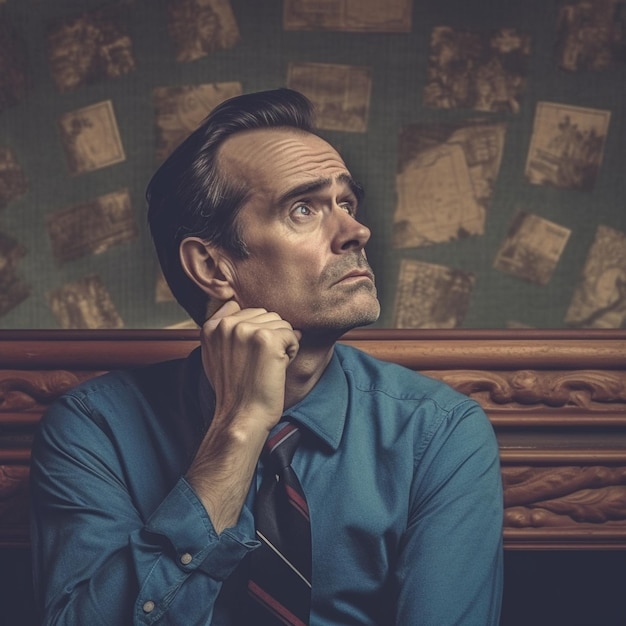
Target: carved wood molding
(589,389)
(557,401)
(34,390)
(564,496)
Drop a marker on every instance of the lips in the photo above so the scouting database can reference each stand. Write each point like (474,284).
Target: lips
(354,274)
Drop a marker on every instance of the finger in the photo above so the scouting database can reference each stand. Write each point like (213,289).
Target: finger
(228,308)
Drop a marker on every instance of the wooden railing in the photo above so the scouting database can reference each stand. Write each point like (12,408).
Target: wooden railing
(557,401)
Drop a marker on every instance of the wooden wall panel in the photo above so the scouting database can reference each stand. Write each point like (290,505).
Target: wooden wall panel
(557,400)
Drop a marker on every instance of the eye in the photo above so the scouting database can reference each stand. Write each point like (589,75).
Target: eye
(301,210)
(349,207)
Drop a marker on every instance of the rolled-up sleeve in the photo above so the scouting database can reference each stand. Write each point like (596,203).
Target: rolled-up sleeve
(97,558)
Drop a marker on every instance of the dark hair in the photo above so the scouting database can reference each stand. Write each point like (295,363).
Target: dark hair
(189,196)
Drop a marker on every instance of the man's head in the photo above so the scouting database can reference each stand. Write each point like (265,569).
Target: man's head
(255,207)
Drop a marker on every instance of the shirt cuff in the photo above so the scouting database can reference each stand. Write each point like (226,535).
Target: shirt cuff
(182,518)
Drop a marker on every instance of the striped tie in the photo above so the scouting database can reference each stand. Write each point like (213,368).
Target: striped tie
(280,569)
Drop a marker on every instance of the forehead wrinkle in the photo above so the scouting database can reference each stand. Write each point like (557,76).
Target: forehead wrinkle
(300,162)
(281,146)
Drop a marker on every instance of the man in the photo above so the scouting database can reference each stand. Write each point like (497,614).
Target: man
(145,483)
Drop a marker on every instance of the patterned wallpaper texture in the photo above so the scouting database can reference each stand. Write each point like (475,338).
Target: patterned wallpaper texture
(490,137)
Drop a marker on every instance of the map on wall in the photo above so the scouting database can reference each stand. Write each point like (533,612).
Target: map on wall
(445,179)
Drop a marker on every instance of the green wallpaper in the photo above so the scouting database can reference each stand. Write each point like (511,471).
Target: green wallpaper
(471,88)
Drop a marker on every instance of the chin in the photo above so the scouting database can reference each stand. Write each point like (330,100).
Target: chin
(339,322)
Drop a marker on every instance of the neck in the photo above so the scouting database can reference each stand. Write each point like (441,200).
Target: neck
(306,369)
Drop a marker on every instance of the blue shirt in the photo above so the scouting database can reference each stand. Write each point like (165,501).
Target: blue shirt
(401,474)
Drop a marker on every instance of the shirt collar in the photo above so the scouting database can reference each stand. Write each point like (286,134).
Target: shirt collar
(322,411)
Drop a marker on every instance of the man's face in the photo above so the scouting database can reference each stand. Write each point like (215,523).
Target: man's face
(306,259)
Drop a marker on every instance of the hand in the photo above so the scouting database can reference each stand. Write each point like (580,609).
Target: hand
(245,354)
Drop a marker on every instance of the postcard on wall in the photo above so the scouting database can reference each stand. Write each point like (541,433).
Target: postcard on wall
(179,110)
(368,16)
(93,227)
(591,35)
(567,146)
(340,93)
(199,27)
(90,47)
(431,296)
(599,300)
(481,71)
(84,303)
(13,290)
(91,138)
(13,66)
(13,183)
(445,180)
(532,248)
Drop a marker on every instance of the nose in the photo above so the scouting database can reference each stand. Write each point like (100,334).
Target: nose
(349,234)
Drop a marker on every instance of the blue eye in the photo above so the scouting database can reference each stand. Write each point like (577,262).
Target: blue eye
(302,209)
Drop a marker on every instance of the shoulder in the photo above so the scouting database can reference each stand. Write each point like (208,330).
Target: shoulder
(116,397)
(371,375)
(124,384)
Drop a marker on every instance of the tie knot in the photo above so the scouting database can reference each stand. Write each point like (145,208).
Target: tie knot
(280,447)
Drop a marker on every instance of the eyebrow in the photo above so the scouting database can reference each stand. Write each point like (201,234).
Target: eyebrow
(317,185)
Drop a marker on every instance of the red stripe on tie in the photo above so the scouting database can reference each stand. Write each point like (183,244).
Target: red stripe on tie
(281,612)
(279,436)
(297,501)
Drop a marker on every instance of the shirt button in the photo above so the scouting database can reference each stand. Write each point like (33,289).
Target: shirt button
(186,558)
(148,606)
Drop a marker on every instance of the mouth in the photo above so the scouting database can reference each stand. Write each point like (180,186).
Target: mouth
(356,275)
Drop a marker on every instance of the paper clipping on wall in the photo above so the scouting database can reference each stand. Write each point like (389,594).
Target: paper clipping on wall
(199,27)
(91,138)
(13,65)
(591,36)
(13,183)
(476,70)
(567,146)
(445,181)
(90,47)
(367,16)
(84,303)
(178,111)
(599,300)
(431,296)
(340,93)
(532,248)
(93,227)
(13,290)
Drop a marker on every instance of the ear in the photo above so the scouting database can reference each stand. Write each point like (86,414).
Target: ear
(207,266)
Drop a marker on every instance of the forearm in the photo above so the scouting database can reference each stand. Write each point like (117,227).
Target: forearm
(223,468)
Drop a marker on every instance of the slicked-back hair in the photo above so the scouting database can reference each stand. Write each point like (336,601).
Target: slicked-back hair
(188,196)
